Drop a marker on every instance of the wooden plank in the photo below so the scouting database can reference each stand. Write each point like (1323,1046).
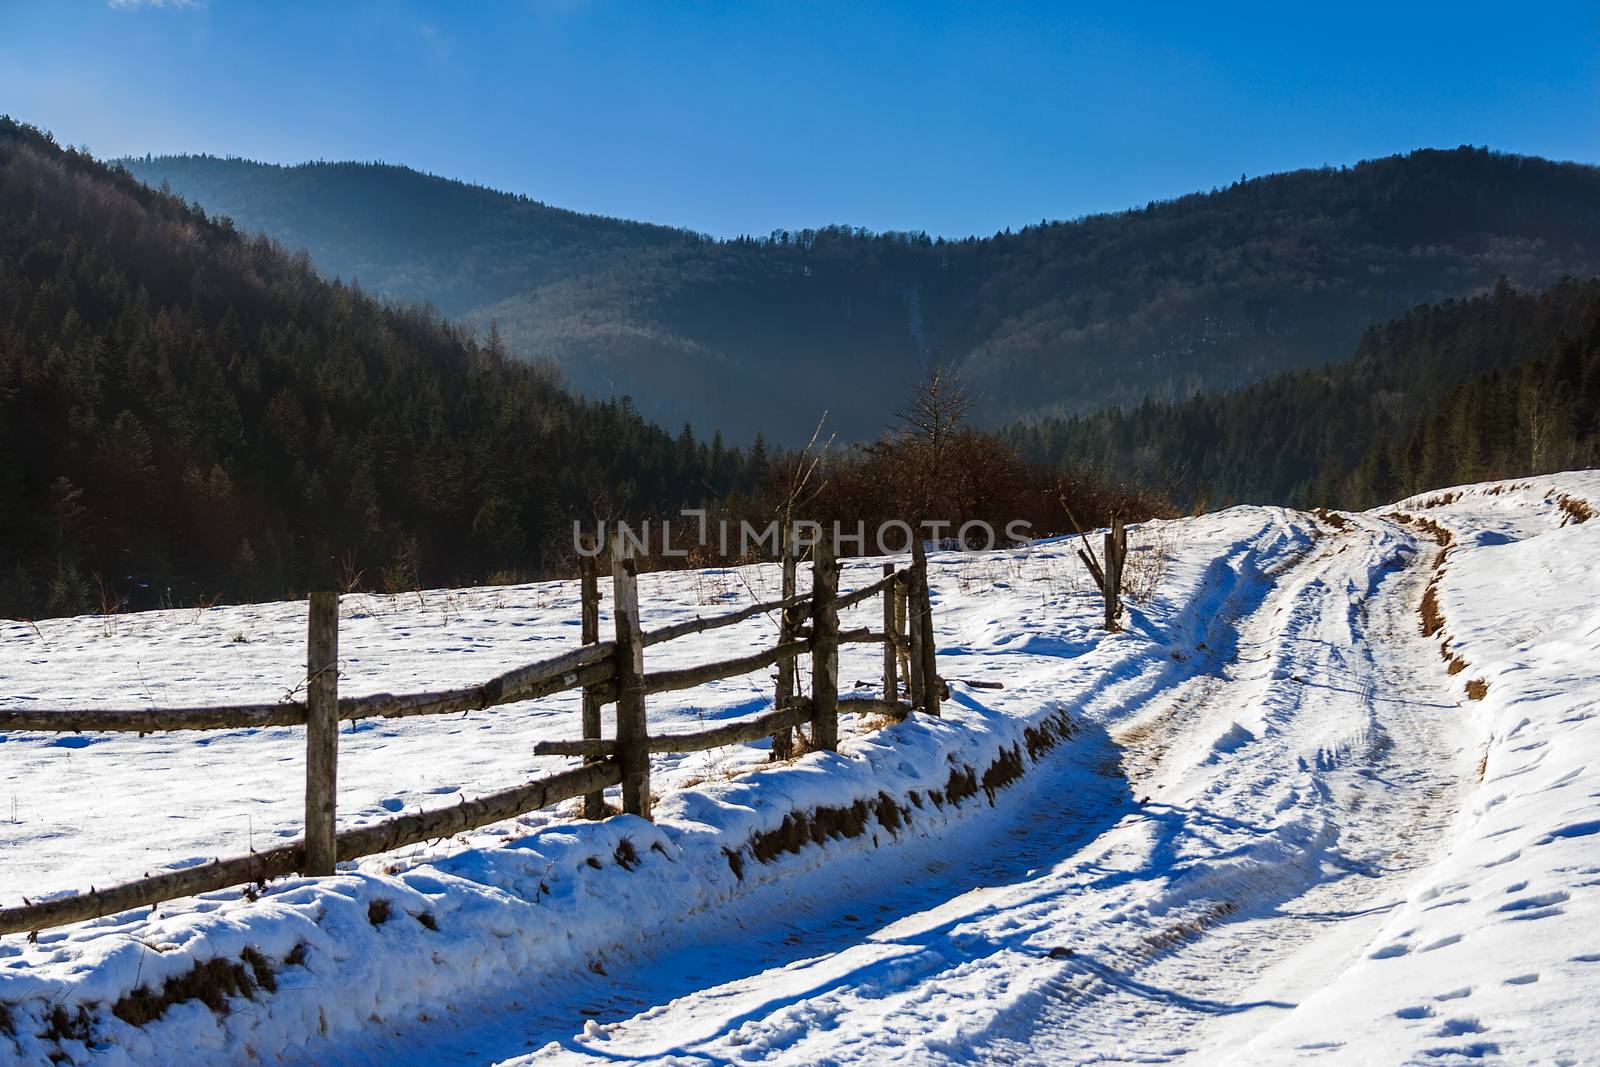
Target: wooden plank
(850,600)
(1109,588)
(322,731)
(543,678)
(784,687)
(734,733)
(895,709)
(824,647)
(201,878)
(566,671)
(891,656)
(859,635)
(387,836)
(594,804)
(695,626)
(923,606)
(914,677)
(689,677)
(588,747)
(902,637)
(153,720)
(633,733)
(730,733)
(407,830)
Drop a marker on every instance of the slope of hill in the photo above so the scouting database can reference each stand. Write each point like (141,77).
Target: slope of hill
(1282,812)
(1502,385)
(187,412)
(1202,293)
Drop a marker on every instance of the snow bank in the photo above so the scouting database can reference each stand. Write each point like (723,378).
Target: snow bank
(407,936)
(1495,950)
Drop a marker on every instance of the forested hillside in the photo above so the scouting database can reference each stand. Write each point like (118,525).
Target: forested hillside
(1502,385)
(187,412)
(1204,293)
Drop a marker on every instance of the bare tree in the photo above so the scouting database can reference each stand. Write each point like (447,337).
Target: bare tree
(931,421)
(796,485)
(938,406)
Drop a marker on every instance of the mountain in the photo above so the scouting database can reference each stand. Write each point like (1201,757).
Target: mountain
(189,413)
(1205,293)
(1505,384)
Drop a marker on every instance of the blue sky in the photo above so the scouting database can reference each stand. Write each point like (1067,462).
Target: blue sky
(740,118)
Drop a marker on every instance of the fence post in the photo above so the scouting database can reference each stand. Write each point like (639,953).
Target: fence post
(902,634)
(824,646)
(922,621)
(633,738)
(918,684)
(1111,584)
(594,804)
(783,740)
(322,732)
(891,654)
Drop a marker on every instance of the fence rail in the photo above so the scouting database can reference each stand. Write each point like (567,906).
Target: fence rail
(605,671)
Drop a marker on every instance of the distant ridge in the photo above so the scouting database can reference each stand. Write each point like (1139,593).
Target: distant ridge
(1204,292)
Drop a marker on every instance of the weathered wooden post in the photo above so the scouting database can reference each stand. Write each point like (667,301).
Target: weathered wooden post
(914,676)
(1116,540)
(891,654)
(633,737)
(902,637)
(922,614)
(594,804)
(322,732)
(824,646)
(783,740)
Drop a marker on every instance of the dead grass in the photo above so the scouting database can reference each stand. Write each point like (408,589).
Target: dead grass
(1146,564)
(63,1025)
(1577,511)
(1331,518)
(823,824)
(1432,617)
(1477,689)
(212,983)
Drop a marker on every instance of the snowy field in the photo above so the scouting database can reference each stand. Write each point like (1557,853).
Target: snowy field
(1287,825)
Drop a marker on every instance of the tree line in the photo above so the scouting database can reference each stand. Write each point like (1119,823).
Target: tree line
(1353,433)
(189,413)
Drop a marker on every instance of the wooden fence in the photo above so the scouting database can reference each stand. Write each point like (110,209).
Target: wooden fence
(607,672)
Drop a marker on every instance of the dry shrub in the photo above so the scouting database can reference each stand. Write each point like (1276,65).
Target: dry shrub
(1577,511)
(1146,564)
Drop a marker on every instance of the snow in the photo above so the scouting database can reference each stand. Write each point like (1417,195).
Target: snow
(1281,828)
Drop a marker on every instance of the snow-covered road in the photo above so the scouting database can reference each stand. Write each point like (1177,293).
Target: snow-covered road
(1283,793)
(1291,825)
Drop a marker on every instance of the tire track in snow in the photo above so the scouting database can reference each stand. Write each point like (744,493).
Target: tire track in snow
(1388,794)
